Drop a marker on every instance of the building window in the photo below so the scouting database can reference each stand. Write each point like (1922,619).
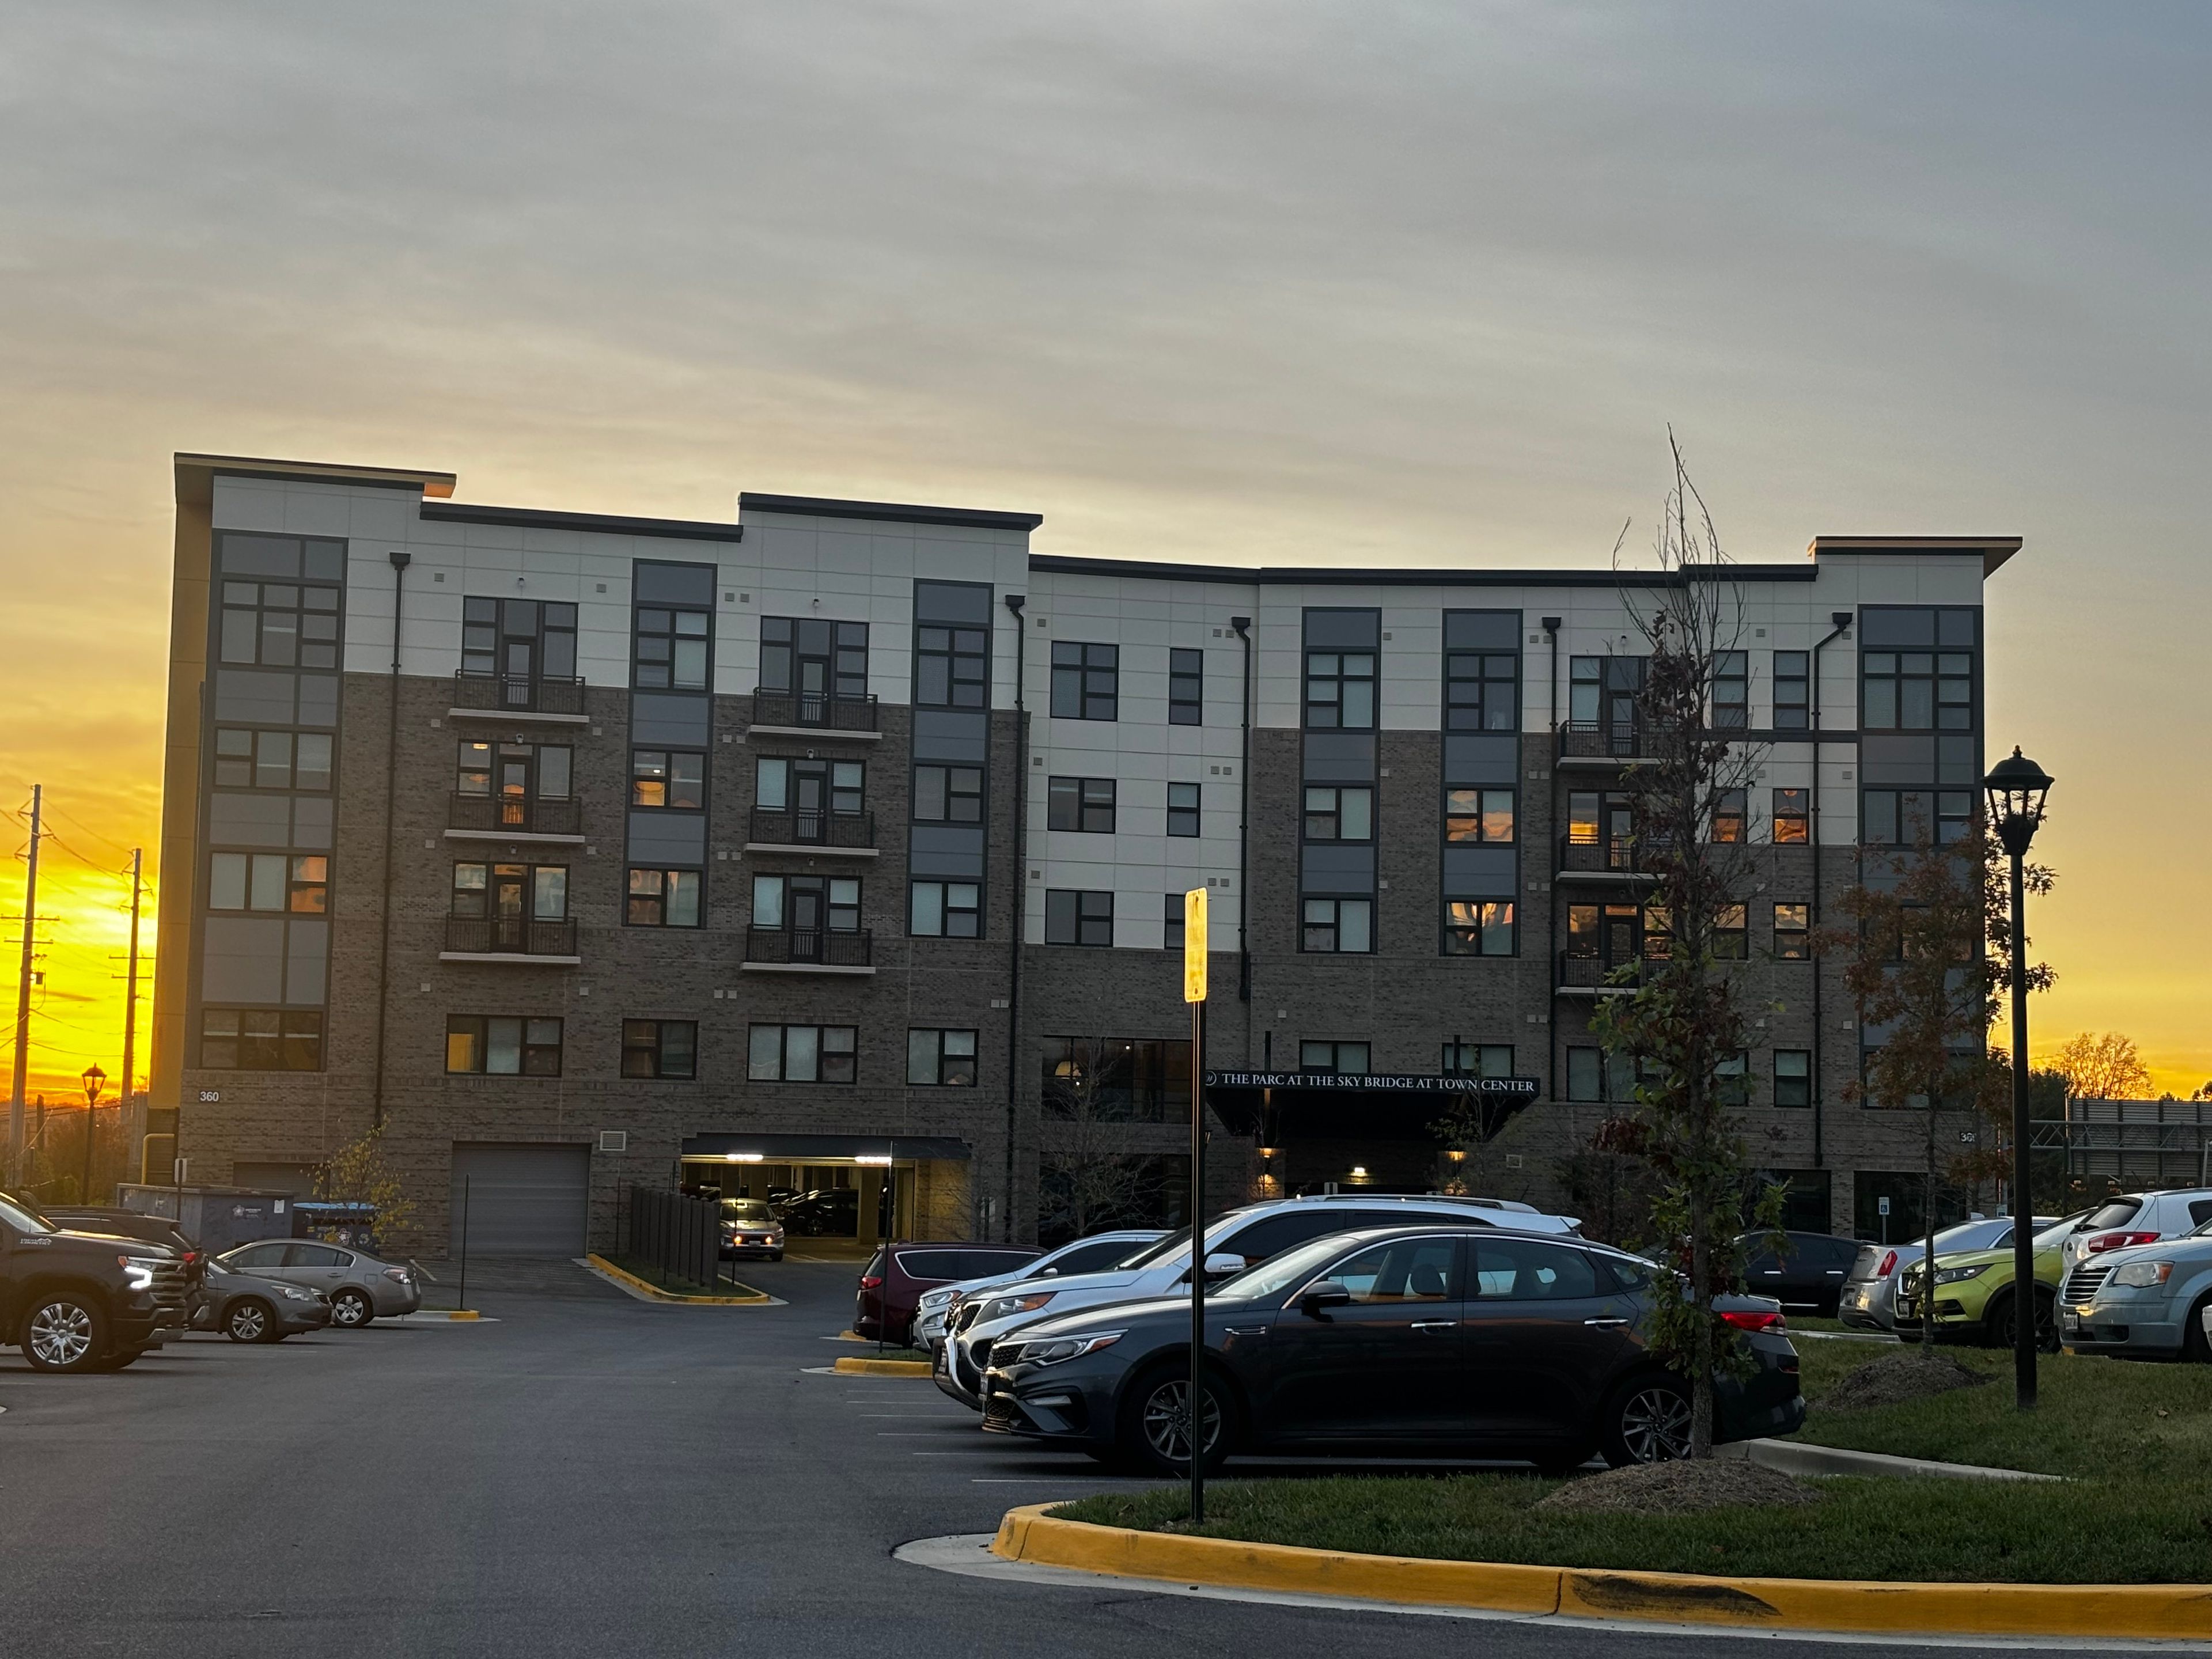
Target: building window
(1477,1060)
(1730,806)
(272,760)
(663,1048)
(940,1060)
(511,891)
(1343,926)
(1081,804)
(948,794)
(1793,932)
(1897,818)
(284,882)
(811,790)
(1482,671)
(945,909)
(951,667)
(1793,1076)
(666,778)
(673,652)
(802,1054)
(1340,1058)
(1585,1074)
(1793,687)
(1340,691)
(1732,1079)
(1478,814)
(514,771)
(261,1040)
(280,624)
(807,904)
(1186,688)
(1182,809)
(663,898)
(518,639)
(813,656)
(1602,693)
(1793,819)
(501,1045)
(1086,680)
(1731,690)
(1339,814)
(1918,691)
(1732,933)
(1171,926)
(1477,927)
(1078,918)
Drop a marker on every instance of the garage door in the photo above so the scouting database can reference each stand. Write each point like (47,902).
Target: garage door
(521,1200)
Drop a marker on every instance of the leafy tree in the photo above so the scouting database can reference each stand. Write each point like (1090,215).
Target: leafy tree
(2102,1066)
(357,1173)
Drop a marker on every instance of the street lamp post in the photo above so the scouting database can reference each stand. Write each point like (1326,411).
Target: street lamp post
(2016,789)
(94,1077)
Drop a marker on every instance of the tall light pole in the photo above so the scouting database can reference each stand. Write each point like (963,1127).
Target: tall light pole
(94,1077)
(2016,789)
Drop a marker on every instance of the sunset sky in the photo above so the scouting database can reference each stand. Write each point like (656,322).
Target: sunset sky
(1425,283)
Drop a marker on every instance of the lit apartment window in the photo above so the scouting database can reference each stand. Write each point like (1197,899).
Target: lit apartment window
(1478,814)
(1793,931)
(667,779)
(502,1045)
(1477,927)
(1729,810)
(1793,818)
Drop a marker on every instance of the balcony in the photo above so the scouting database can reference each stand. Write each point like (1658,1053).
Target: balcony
(510,939)
(808,950)
(1600,857)
(1588,976)
(545,700)
(513,817)
(814,715)
(849,834)
(1593,743)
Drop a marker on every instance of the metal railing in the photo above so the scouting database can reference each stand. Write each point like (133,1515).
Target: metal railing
(678,1236)
(810,946)
(797,829)
(510,935)
(814,708)
(1591,973)
(1594,854)
(1596,740)
(518,693)
(521,815)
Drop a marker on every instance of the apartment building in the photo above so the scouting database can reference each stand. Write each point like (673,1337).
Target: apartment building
(840,848)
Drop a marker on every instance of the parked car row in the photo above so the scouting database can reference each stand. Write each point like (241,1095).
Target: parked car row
(89,1289)
(1347,1325)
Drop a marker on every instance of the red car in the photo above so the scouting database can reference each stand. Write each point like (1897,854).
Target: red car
(896,1275)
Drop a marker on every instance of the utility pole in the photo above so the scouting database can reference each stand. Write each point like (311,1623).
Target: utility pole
(130,1008)
(23,998)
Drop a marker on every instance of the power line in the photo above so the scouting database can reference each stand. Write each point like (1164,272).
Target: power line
(90,831)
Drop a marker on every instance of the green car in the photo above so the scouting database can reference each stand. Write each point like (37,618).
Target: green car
(1974,1296)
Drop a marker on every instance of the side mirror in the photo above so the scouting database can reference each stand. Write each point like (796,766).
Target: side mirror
(1050,1272)
(1323,1293)
(1221,1266)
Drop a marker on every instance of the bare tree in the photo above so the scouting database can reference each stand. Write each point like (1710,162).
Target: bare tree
(2102,1066)
(1092,1172)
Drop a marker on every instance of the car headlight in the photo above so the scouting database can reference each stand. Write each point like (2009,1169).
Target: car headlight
(1953,1275)
(2143,1275)
(138,1271)
(1056,1350)
(293,1294)
(1014,1305)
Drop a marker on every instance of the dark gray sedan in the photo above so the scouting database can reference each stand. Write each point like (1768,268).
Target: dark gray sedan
(246,1308)
(359,1285)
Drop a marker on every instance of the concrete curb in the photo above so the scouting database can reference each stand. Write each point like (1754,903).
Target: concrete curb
(2152,1612)
(1802,1457)
(637,1287)
(467,1314)
(848,1365)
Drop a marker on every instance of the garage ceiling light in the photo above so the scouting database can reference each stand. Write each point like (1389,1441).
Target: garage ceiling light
(741,1157)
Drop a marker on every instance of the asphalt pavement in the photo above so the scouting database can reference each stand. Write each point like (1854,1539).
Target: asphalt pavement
(581,1473)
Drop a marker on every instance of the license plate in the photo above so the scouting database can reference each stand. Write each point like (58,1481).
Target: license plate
(2069,1322)
(1907,1309)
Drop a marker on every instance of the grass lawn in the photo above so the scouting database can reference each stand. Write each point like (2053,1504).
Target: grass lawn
(675,1286)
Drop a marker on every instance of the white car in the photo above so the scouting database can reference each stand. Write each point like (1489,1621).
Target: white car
(1084,1256)
(1234,1242)
(2133,1218)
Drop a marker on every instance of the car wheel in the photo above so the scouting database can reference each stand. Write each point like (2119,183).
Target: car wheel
(250,1320)
(64,1332)
(775,1256)
(350,1310)
(1154,1430)
(1646,1421)
(1997,1324)
(2196,1343)
(116,1361)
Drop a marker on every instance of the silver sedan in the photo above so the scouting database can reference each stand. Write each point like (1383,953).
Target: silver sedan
(360,1286)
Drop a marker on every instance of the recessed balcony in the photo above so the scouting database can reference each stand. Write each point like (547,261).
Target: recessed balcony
(814,715)
(513,817)
(1598,743)
(1589,976)
(841,835)
(533,700)
(1585,856)
(520,939)
(808,950)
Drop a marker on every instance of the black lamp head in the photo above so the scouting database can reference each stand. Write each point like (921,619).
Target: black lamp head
(2016,787)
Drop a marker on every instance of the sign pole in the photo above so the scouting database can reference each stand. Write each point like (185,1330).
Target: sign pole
(1193,993)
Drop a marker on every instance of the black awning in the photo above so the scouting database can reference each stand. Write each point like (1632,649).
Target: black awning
(801,1149)
(1385,1106)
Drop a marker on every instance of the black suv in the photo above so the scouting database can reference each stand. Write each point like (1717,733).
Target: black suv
(84,1301)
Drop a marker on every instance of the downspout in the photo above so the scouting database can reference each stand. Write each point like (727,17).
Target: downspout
(1243,627)
(1017,928)
(400,560)
(1550,889)
(1842,619)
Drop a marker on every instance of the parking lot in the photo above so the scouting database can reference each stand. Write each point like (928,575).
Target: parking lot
(580,1473)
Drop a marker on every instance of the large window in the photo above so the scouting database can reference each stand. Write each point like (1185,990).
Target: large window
(1071,917)
(1898,818)
(810,790)
(1793,816)
(280,624)
(272,760)
(951,667)
(1477,927)
(1142,1079)
(1729,809)
(1482,671)
(1592,1074)
(1186,688)
(945,909)
(663,898)
(938,1058)
(1793,931)
(1086,680)
(519,640)
(261,1040)
(511,891)
(1343,926)
(668,779)
(514,771)
(1732,932)
(663,1048)
(1081,804)
(674,651)
(291,882)
(1793,686)
(802,1054)
(948,794)
(814,656)
(1339,813)
(1478,814)
(1731,690)
(807,904)
(1182,809)
(502,1045)
(1343,1059)
(1916,668)
(1477,1060)
(1339,690)
(1793,1076)
(1172,922)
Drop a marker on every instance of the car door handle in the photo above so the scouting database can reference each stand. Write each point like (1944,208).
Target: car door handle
(1434,1324)
(1606,1324)
(1244,1330)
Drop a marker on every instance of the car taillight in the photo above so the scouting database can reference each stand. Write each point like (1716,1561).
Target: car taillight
(1749,1321)
(869,1282)
(2099,1242)
(398,1273)
(1887,1262)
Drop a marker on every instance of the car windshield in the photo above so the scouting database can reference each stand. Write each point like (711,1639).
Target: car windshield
(23,1219)
(1293,1267)
(753,1211)
(2051,1237)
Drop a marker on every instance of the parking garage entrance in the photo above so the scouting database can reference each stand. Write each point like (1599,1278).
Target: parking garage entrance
(1361,1132)
(838,1194)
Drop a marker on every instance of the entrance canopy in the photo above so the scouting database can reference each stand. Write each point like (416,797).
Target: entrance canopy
(825,1149)
(1379,1105)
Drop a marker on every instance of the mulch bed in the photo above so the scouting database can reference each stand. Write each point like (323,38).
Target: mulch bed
(1895,1378)
(1679,1488)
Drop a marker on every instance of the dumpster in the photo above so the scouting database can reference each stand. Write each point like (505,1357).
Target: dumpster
(351,1225)
(214,1218)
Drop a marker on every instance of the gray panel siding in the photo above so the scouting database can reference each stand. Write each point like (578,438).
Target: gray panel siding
(243,960)
(262,695)
(251,820)
(675,718)
(674,838)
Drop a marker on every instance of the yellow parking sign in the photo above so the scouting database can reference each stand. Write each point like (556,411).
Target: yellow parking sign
(1194,945)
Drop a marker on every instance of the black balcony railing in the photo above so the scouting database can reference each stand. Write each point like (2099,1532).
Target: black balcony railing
(808,946)
(510,935)
(517,815)
(518,694)
(1599,854)
(814,708)
(1577,973)
(1595,740)
(801,828)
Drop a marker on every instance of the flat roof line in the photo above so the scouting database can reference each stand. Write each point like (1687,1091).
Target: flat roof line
(1994,549)
(604,524)
(1340,576)
(821,506)
(194,473)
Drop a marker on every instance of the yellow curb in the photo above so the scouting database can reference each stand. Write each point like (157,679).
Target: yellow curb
(849,1366)
(443,1313)
(659,1295)
(2150,1611)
